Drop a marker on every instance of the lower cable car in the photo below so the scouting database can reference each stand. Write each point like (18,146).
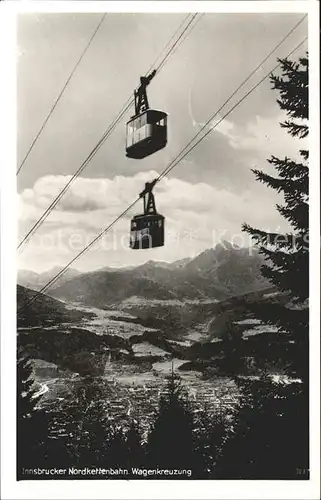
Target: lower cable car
(147,229)
(146,131)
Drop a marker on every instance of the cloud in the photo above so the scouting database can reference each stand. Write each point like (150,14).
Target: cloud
(83,194)
(197,217)
(212,191)
(107,198)
(199,76)
(264,136)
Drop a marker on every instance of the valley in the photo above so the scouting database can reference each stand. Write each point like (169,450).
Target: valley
(128,329)
(131,377)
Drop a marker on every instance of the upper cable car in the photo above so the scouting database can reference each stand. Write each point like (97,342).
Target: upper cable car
(146,131)
(147,229)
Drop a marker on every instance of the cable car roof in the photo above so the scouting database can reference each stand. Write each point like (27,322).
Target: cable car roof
(154,113)
(148,216)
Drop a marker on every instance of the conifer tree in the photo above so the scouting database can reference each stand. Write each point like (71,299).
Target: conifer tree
(32,428)
(135,450)
(87,423)
(287,255)
(270,436)
(209,435)
(90,436)
(171,442)
(116,451)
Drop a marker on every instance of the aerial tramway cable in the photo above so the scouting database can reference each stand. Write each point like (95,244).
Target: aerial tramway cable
(60,94)
(233,94)
(147,229)
(187,29)
(165,171)
(174,163)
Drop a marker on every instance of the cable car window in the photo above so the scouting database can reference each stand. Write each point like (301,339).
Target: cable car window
(130,132)
(148,132)
(144,131)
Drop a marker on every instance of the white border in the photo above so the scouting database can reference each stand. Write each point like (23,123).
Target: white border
(142,489)
(171,6)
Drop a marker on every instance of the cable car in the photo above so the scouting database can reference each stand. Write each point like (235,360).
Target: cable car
(146,131)
(147,229)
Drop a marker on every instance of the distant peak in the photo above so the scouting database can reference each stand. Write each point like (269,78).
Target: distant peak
(227,245)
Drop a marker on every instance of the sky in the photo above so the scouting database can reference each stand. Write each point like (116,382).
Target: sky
(209,194)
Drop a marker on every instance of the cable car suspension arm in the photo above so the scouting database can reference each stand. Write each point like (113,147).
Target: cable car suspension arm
(149,200)
(141,100)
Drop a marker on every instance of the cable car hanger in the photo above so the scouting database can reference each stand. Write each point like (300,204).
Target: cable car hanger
(141,99)
(147,229)
(149,202)
(146,131)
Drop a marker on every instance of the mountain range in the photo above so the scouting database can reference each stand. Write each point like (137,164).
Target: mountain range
(36,281)
(34,308)
(215,274)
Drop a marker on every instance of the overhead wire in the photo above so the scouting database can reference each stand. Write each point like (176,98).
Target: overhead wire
(113,125)
(60,94)
(173,164)
(235,92)
(180,39)
(84,250)
(165,172)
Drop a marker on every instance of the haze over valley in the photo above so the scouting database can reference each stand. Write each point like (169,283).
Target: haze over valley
(130,327)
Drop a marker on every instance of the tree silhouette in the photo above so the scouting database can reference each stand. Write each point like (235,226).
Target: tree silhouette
(287,255)
(86,420)
(209,434)
(269,439)
(32,429)
(91,438)
(135,449)
(171,443)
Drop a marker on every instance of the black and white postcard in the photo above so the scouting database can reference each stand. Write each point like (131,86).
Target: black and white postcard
(160,257)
